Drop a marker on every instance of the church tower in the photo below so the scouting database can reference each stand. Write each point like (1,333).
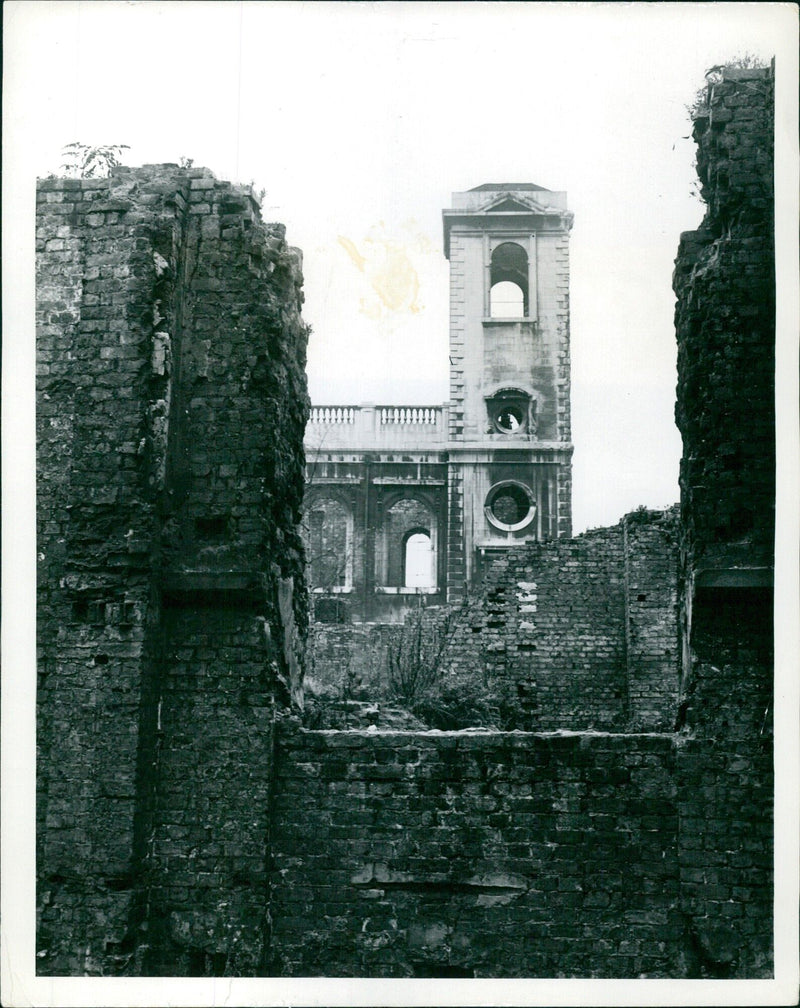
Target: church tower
(509,439)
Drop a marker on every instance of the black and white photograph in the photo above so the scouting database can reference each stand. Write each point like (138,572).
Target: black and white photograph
(400,495)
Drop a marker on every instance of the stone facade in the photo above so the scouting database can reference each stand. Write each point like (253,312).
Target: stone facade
(376,476)
(171,593)
(489,469)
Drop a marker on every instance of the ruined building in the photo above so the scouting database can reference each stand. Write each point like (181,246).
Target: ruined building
(725,326)
(171,594)
(189,822)
(409,501)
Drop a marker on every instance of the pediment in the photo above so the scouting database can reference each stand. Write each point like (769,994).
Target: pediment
(508,204)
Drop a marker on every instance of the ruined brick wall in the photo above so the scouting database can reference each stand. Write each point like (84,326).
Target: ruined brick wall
(97,528)
(171,404)
(578,633)
(651,590)
(725,326)
(348,661)
(207,854)
(475,854)
(569,634)
(725,771)
(725,774)
(496,854)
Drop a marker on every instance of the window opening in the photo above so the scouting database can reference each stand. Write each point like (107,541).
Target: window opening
(328,535)
(402,559)
(508,283)
(418,563)
(510,506)
(511,411)
(509,419)
(506,300)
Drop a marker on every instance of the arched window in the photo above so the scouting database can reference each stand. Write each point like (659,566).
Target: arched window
(328,535)
(418,560)
(508,283)
(406,554)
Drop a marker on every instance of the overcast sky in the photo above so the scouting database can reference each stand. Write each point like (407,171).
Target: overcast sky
(359,121)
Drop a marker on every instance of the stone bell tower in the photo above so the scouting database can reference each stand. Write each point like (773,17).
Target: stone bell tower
(509,440)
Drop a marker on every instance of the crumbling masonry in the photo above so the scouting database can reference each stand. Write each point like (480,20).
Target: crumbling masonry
(725,326)
(172,607)
(188,824)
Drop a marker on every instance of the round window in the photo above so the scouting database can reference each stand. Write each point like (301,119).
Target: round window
(509,418)
(510,506)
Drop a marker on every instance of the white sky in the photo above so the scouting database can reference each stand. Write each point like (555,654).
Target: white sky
(359,120)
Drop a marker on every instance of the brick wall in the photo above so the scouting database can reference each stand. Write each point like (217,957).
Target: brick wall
(725,326)
(726,855)
(653,654)
(490,854)
(207,853)
(563,634)
(725,774)
(171,405)
(578,633)
(348,661)
(97,530)
(474,854)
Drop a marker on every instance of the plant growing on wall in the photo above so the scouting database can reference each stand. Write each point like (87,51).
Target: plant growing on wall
(414,659)
(745,61)
(424,679)
(85,161)
(419,682)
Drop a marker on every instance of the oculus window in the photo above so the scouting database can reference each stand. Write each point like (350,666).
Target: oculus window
(511,411)
(510,506)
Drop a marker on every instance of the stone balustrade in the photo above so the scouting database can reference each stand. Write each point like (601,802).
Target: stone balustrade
(369,426)
(409,414)
(333,414)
